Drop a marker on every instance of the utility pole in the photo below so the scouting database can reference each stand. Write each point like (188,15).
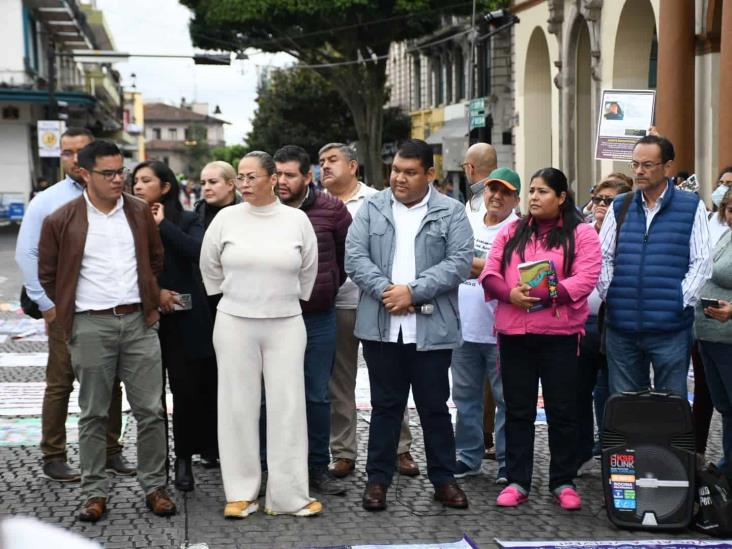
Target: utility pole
(52,104)
(471,57)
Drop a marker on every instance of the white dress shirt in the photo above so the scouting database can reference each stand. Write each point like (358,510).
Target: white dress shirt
(108,274)
(700,264)
(348,293)
(407,222)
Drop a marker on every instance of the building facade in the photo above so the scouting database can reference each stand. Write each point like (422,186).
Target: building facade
(431,79)
(180,136)
(567,51)
(41,41)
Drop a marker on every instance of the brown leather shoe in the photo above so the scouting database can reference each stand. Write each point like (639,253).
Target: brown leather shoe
(342,467)
(160,503)
(374,497)
(406,465)
(451,495)
(93,510)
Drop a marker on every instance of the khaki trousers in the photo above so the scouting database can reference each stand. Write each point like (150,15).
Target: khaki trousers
(247,350)
(104,348)
(59,385)
(343,417)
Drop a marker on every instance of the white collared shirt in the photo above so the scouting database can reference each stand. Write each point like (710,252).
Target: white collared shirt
(700,263)
(407,222)
(348,293)
(108,274)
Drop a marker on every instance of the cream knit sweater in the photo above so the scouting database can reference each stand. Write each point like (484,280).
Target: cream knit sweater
(263,259)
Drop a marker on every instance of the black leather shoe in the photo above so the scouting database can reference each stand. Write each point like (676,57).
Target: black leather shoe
(118,465)
(451,495)
(374,497)
(60,471)
(184,474)
(209,462)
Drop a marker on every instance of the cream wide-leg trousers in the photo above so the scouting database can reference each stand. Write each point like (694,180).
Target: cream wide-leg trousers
(246,350)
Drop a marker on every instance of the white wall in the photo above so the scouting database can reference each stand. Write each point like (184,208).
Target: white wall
(15,157)
(12,68)
(706,123)
(536,16)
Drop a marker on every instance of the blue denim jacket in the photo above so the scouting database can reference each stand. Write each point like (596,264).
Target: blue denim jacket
(443,254)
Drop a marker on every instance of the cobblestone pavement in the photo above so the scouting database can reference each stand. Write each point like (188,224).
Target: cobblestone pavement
(412,516)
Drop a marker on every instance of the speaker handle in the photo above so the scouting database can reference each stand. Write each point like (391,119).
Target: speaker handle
(648,392)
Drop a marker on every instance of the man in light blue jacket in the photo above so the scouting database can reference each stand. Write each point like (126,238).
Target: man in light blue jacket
(408,250)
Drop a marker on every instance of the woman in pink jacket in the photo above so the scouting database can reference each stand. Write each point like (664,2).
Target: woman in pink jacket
(539,325)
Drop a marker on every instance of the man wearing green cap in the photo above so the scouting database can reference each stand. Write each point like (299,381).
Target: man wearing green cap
(476,360)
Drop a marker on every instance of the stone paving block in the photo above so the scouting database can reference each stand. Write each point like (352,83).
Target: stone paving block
(412,515)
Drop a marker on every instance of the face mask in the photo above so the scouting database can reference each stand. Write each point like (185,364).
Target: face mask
(718,194)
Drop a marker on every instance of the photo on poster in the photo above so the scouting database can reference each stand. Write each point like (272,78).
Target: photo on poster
(625,116)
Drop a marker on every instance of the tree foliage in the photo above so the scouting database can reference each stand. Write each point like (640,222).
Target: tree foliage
(298,106)
(231,154)
(346,42)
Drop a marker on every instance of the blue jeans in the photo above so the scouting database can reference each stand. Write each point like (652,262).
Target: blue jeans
(628,355)
(319,358)
(589,363)
(717,359)
(471,364)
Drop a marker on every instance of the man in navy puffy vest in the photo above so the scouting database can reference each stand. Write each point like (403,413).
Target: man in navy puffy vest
(652,273)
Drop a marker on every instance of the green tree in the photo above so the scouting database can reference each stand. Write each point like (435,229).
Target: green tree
(298,106)
(199,151)
(231,154)
(345,41)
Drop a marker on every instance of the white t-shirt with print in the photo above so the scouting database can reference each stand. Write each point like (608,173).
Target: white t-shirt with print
(477,316)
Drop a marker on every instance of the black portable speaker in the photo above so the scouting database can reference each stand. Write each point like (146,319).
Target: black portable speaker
(648,461)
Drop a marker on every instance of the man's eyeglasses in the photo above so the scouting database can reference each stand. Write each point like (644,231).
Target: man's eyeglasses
(68,154)
(109,175)
(249,178)
(645,165)
(606,200)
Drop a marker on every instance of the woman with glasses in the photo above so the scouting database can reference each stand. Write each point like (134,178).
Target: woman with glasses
(218,189)
(185,326)
(592,368)
(262,257)
(539,326)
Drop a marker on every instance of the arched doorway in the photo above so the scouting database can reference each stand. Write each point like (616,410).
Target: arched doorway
(635,39)
(634,58)
(537,105)
(583,116)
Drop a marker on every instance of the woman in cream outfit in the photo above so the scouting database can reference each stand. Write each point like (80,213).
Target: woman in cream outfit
(261,256)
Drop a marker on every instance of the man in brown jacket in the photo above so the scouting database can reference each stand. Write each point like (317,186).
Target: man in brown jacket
(98,260)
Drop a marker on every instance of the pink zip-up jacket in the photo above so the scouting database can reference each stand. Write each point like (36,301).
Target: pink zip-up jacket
(512,320)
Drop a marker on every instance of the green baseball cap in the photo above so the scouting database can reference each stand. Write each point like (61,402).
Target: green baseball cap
(506,177)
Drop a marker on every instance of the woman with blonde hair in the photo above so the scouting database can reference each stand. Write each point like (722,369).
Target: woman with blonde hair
(218,190)
(262,256)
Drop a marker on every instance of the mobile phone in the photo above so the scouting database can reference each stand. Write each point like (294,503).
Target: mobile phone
(185,303)
(707,302)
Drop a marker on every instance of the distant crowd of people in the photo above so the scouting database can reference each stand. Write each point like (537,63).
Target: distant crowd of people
(253,304)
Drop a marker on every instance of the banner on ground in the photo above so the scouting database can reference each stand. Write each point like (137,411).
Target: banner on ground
(624,117)
(629,544)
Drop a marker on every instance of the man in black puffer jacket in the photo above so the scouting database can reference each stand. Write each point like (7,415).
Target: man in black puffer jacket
(331,220)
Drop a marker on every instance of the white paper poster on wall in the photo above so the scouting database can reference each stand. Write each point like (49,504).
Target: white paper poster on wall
(625,116)
(49,137)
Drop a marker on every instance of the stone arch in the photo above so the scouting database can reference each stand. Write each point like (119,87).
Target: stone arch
(633,46)
(580,88)
(537,109)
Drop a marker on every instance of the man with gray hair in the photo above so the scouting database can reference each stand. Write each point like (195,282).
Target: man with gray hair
(339,177)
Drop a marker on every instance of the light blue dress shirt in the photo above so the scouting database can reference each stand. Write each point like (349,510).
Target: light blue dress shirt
(26,248)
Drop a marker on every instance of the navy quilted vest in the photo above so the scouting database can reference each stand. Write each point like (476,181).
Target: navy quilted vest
(645,292)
